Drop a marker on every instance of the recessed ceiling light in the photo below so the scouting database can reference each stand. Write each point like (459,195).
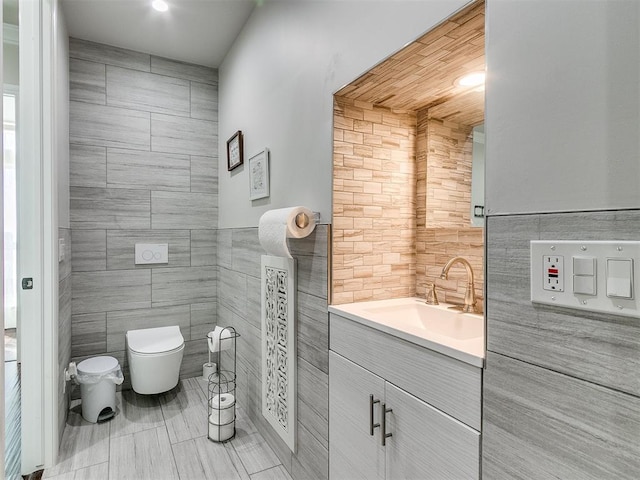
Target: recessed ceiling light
(160,5)
(471,79)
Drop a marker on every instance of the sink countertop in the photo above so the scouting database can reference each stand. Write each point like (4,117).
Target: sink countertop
(454,333)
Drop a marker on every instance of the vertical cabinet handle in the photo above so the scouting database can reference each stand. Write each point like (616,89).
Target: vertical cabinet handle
(385,435)
(372,425)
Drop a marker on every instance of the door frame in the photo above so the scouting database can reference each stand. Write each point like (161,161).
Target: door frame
(37,247)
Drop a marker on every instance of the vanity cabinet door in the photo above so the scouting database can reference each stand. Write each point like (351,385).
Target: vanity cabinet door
(353,452)
(427,443)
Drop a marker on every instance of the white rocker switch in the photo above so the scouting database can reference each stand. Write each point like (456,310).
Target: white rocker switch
(584,266)
(584,275)
(584,284)
(620,277)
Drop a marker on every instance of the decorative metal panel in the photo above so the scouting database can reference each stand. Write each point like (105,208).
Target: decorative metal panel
(279,346)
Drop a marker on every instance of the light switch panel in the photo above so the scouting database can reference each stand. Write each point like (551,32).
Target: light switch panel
(598,275)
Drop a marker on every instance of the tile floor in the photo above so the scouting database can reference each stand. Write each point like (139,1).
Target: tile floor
(162,437)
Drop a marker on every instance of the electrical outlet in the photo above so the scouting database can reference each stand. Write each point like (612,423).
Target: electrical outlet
(553,273)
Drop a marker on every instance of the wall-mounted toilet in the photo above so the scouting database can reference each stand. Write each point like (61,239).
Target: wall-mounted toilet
(155,356)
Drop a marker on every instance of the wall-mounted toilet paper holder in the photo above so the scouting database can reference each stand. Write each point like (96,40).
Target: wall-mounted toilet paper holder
(302,219)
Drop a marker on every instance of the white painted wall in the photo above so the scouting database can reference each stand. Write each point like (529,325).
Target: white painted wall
(61,76)
(562,105)
(277,85)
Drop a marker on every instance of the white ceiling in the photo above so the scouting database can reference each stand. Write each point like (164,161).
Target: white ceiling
(195,31)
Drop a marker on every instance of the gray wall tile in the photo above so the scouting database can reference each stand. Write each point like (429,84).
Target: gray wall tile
(121,247)
(89,250)
(204,174)
(225,251)
(540,424)
(312,275)
(173,286)
(106,126)
(232,291)
(119,323)
(99,53)
(112,162)
(195,355)
(87,166)
(624,224)
(315,244)
(108,291)
(254,306)
(87,81)
(313,400)
(313,331)
(312,459)
(64,321)
(203,319)
(173,134)
(247,251)
(177,210)
(64,267)
(599,347)
(95,208)
(147,170)
(203,247)
(204,101)
(239,305)
(147,91)
(89,334)
(187,71)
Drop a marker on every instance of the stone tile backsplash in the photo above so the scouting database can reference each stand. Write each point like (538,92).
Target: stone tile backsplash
(401,196)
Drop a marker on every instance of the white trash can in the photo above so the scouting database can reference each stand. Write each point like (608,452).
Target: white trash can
(98,377)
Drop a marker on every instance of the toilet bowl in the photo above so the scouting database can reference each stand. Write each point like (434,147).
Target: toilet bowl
(155,356)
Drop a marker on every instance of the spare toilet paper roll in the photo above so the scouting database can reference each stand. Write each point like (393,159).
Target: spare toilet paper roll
(219,339)
(222,411)
(220,433)
(277,225)
(209,369)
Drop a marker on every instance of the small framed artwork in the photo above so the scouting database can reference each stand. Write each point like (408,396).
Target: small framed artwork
(259,175)
(234,151)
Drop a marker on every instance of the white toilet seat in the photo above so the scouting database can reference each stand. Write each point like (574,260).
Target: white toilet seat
(155,340)
(155,356)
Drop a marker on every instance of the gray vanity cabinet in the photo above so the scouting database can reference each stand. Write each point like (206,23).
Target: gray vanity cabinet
(354,453)
(425,443)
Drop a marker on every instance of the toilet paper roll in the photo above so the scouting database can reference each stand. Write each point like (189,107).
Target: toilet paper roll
(220,433)
(208,369)
(277,225)
(222,411)
(224,400)
(218,339)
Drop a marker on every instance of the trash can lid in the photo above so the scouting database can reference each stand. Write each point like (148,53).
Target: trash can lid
(97,365)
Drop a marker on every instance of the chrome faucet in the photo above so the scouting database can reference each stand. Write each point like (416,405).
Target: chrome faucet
(470,294)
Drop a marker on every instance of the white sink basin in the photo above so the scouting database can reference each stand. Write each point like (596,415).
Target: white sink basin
(437,327)
(430,318)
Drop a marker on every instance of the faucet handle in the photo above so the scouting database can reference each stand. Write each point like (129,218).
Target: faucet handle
(432,296)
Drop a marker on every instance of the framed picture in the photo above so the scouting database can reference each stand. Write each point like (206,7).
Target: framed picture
(235,156)
(259,175)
